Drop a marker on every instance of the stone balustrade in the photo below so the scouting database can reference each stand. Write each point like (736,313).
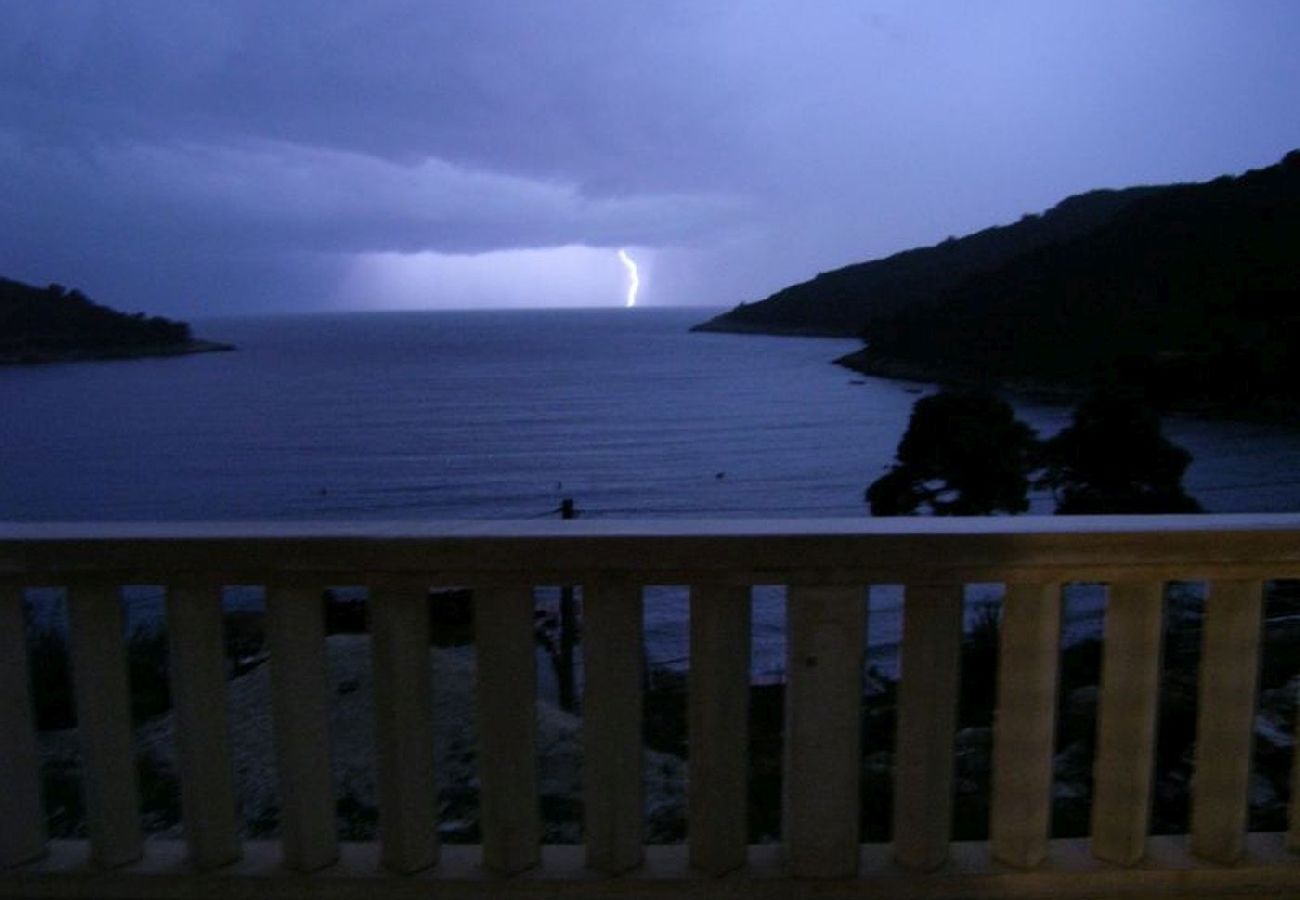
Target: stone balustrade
(826,565)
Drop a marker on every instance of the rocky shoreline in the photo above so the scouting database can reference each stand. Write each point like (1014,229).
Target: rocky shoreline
(864,362)
(103,354)
(721,324)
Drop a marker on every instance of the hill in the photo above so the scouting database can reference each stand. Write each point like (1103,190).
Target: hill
(840,303)
(1191,293)
(53,324)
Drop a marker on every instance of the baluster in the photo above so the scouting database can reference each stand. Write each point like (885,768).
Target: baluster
(1024,727)
(1126,727)
(507,727)
(295,632)
(104,725)
(408,792)
(1293,809)
(927,722)
(718,714)
(1225,719)
(22,816)
(612,748)
(823,730)
(202,736)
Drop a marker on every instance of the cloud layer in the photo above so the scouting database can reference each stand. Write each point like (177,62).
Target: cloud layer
(239,155)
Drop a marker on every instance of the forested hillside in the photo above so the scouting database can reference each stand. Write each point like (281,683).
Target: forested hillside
(1187,292)
(1192,293)
(843,301)
(52,324)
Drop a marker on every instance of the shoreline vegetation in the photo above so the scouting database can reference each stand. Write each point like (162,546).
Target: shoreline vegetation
(53,324)
(1187,294)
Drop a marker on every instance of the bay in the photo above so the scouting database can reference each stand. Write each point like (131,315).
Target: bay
(496,415)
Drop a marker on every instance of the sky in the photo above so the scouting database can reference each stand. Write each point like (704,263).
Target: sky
(197,158)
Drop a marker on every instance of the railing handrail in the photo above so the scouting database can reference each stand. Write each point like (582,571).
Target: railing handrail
(790,551)
(766,526)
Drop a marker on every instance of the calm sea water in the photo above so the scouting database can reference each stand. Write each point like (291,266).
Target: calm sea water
(500,415)
(449,415)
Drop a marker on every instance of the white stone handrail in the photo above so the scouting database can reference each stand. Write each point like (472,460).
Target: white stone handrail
(825,563)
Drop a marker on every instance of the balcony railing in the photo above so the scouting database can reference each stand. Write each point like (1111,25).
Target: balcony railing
(825,564)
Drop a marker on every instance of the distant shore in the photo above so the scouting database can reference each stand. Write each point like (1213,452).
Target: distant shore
(721,324)
(864,362)
(100,354)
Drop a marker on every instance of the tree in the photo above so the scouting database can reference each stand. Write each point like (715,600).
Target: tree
(1113,458)
(964,454)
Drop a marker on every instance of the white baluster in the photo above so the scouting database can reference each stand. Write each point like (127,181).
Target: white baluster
(22,816)
(104,725)
(1024,728)
(823,730)
(1225,719)
(295,632)
(927,722)
(1126,727)
(202,734)
(507,728)
(408,793)
(718,714)
(612,748)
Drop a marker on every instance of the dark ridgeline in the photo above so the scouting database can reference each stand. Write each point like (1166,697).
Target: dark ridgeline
(53,324)
(840,303)
(1188,292)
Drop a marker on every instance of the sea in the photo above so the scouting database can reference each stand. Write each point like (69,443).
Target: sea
(503,415)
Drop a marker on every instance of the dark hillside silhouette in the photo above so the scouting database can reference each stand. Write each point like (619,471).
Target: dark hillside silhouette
(843,301)
(1191,294)
(52,323)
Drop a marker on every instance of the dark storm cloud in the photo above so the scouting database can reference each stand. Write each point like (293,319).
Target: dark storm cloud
(252,148)
(176,133)
(296,197)
(583,92)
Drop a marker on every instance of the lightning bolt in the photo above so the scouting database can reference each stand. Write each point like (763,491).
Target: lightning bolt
(633,279)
